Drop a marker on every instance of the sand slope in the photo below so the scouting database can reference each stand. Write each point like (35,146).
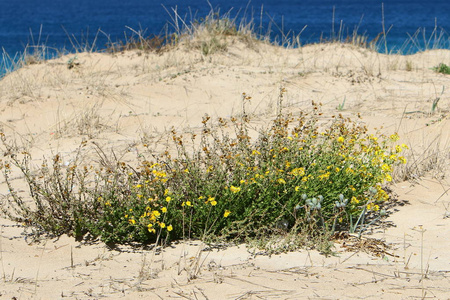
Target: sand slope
(123,100)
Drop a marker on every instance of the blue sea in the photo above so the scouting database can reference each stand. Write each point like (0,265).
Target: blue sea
(411,25)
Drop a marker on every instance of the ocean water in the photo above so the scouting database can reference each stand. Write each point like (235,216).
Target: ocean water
(411,25)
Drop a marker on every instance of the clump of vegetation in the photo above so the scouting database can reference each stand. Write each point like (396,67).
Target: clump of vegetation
(229,182)
(442,68)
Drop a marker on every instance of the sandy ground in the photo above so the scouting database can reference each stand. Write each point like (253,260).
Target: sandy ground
(123,100)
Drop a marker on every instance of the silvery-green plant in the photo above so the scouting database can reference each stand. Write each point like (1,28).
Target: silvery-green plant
(314,203)
(342,202)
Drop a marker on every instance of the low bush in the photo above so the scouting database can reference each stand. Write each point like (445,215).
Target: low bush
(442,68)
(300,175)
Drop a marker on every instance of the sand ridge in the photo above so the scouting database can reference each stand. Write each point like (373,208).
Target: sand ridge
(124,99)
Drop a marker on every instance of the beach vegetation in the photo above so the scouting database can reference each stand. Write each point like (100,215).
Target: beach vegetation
(299,177)
(442,68)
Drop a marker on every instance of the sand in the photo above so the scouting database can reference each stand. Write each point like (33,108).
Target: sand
(120,101)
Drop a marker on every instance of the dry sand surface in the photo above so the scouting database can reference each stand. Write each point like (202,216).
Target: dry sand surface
(120,101)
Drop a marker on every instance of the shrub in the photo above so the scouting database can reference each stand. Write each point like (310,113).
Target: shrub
(299,175)
(442,68)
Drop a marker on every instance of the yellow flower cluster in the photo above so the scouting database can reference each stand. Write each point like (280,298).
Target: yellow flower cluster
(212,201)
(372,206)
(298,172)
(235,189)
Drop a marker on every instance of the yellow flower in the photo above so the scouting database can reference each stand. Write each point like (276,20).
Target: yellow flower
(166,192)
(298,172)
(402,159)
(382,195)
(404,146)
(281,181)
(394,137)
(162,225)
(235,189)
(388,177)
(169,228)
(297,188)
(156,213)
(168,199)
(188,203)
(132,221)
(226,213)
(159,174)
(354,200)
(212,201)
(373,207)
(186,171)
(138,186)
(324,176)
(386,167)
(164,209)
(150,228)
(341,139)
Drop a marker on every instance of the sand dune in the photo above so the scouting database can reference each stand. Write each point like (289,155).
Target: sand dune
(126,99)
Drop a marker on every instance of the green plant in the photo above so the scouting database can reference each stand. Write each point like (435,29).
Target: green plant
(409,66)
(292,177)
(436,100)
(71,63)
(341,106)
(442,68)
(213,45)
